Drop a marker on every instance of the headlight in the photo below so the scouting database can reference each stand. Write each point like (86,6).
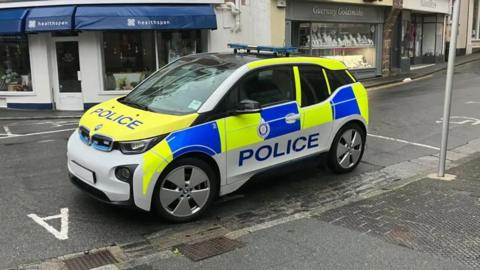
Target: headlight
(138,147)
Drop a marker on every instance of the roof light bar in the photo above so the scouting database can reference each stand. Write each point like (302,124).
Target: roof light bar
(276,50)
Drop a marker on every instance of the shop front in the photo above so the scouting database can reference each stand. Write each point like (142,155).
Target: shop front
(349,33)
(72,57)
(421,31)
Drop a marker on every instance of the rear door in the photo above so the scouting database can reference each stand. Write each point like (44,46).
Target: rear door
(315,109)
(256,141)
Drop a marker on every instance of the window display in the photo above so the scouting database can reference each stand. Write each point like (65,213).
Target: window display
(15,75)
(129,57)
(172,45)
(423,38)
(353,44)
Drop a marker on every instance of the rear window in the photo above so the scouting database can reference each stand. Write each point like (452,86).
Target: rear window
(314,85)
(338,78)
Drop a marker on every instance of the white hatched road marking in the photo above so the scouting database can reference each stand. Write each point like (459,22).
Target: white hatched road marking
(7,130)
(37,133)
(61,234)
(404,141)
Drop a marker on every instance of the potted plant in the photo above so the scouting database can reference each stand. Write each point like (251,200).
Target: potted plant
(3,84)
(11,79)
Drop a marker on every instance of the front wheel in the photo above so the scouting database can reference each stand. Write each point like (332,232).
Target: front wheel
(347,149)
(185,190)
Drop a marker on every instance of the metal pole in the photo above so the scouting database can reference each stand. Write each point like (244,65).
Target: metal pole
(448,87)
(477,23)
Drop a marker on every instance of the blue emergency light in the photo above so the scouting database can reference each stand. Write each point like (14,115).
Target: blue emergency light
(275,50)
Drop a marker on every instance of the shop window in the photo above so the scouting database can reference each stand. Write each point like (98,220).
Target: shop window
(173,45)
(353,44)
(476,20)
(268,86)
(314,85)
(129,57)
(15,74)
(424,38)
(338,78)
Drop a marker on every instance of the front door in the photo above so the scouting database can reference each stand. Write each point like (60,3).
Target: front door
(257,141)
(68,92)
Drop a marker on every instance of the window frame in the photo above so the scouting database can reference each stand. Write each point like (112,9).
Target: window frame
(228,109)
(347,74)
(326,82)
(32,91)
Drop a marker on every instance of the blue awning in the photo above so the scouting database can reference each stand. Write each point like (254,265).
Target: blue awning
(141,17)
(43,19)
(11,21)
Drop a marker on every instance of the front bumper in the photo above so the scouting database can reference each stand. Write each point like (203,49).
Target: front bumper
(106,187)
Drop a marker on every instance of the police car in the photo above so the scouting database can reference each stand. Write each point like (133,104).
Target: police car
(203,125)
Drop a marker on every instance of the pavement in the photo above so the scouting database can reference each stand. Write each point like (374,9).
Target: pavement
(295,210)
(393,78)
(426,224)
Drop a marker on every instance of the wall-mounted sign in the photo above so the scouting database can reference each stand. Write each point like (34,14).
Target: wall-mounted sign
(434,6)
(318,11)
(338,11)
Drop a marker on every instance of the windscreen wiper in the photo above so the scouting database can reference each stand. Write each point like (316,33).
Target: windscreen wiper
(135,105)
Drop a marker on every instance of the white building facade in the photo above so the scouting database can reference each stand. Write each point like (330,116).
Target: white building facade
(71,55)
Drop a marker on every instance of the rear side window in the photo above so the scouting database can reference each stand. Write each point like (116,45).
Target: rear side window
(338,78)
(314,85)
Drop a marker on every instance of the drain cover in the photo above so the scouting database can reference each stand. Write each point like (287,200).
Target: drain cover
(91,260)
(209,248)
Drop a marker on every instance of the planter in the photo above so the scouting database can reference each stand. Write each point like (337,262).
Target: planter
(14,87)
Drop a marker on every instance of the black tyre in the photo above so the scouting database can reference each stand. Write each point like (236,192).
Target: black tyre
(347,148)
(185,190)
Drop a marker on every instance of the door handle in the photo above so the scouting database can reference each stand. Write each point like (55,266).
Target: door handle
(292,118)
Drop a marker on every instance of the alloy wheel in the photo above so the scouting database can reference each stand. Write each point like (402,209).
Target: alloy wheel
(349,148)
(184,191)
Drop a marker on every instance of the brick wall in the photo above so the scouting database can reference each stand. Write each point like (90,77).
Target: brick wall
(391,16)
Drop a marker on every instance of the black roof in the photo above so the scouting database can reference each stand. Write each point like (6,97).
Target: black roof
(235,59)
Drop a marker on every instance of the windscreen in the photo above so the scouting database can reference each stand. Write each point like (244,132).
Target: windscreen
(183,86)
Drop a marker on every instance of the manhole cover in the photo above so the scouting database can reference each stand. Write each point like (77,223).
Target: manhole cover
(91,260)
(209,248)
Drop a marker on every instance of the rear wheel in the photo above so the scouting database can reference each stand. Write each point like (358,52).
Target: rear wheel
(347,149)
(185,190)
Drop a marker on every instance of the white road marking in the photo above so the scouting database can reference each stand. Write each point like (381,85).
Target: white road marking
(61,234)
(38,133)
(57,123)
(262,226)
(472,102)
(462,120)
(404,141)
(45,141)
(7,130)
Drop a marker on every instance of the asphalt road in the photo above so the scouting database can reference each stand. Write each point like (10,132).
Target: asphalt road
(34,178)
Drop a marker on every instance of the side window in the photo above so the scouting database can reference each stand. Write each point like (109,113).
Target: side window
(314,86)
(338,78)
(268,86)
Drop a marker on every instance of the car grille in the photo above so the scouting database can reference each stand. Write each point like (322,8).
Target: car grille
(97,141)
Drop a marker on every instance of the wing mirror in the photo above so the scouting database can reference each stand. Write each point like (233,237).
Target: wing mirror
(248,106)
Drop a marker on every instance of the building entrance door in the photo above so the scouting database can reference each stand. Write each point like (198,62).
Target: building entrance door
(67,81)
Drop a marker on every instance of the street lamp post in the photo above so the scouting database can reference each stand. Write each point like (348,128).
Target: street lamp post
(448,87)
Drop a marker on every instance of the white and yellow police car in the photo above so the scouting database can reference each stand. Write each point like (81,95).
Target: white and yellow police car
(203,125)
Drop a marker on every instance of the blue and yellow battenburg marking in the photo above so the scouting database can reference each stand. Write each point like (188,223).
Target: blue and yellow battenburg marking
(209,138)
